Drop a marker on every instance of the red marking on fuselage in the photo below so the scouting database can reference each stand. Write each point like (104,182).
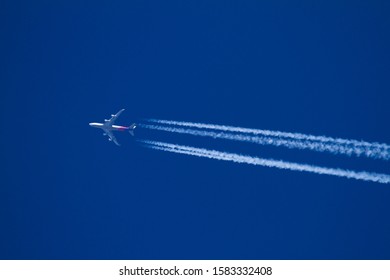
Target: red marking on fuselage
(120,128)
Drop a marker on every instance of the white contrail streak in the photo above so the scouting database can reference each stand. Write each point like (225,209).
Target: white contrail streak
(212,154)
(271,133)
(311,142)
(292,143)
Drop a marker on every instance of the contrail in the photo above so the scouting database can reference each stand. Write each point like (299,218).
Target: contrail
(212,154)
(316,143)
(292,143)
(271,133)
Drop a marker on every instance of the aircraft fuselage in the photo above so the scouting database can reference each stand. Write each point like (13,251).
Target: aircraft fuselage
(109,127)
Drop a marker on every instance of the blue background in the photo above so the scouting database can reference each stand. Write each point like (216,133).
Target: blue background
(317,67)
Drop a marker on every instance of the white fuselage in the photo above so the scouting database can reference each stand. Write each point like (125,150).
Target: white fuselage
(108,127)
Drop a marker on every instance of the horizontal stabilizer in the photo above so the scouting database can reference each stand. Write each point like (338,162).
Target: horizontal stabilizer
(131,129)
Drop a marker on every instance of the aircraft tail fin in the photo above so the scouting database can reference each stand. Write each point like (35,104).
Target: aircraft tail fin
(131,129)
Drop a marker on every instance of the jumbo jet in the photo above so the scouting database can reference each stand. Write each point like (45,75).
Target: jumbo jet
(108,126)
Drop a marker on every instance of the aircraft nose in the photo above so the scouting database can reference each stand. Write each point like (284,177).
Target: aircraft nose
(90,124)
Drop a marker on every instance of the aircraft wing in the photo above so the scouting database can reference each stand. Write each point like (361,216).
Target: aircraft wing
(113,118)
(111,137)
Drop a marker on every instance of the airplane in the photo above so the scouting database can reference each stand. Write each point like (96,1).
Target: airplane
(108,126)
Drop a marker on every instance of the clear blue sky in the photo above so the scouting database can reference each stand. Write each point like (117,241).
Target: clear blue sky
(317,67)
